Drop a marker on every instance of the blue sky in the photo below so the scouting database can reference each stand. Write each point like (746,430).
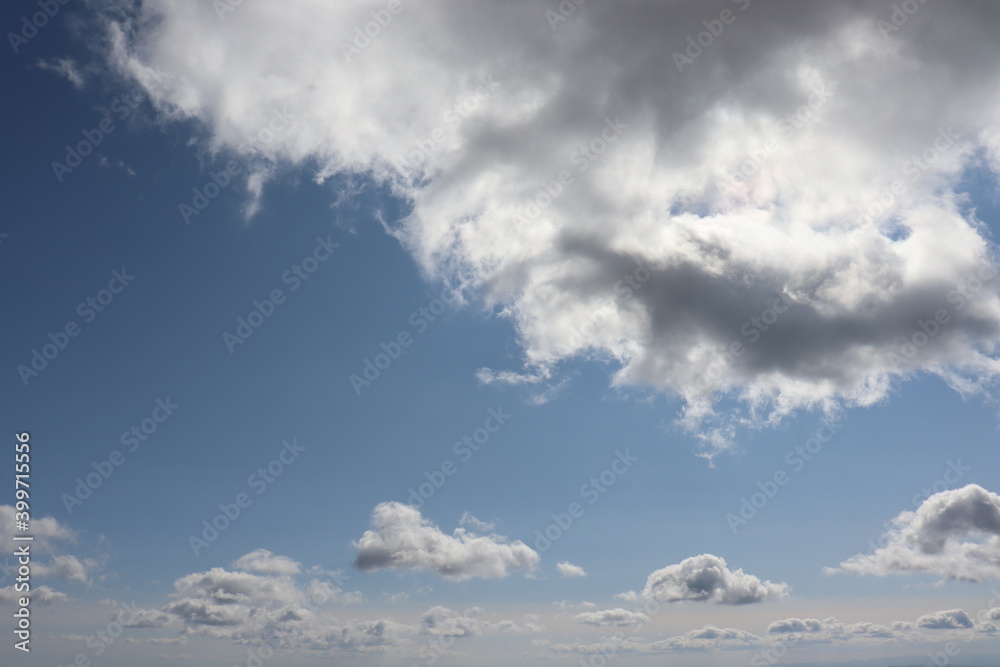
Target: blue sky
(464,575)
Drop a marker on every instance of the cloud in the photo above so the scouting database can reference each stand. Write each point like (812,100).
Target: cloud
(201,613)
(263,561)
(612,617)
(403,539)
(40,595)
(64,67)
(651,220)
(471,522)
(250,608)
(105,163)
(953,619)
(709,636)
(163,641)
(143,618)
(51,538)
(45,595)
(795,625)
(322,592)
(224,587)
(706,578)
(64,567)
(800,632)
(830,630)
(567,569)
(444,622)
(954,534)
(532,623)
(566,604)
(46,530)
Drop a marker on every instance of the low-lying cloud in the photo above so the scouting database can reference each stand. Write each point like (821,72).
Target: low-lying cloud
(954,534)
(707,578)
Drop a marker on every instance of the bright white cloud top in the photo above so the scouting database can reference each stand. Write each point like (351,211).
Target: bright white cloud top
(401,538)
(954,534)
(776,218)
(262,561)
(569,570)
(707,578)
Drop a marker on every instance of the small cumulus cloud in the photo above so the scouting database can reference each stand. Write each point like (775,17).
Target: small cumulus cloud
(952,619)
(707,578)
(401,538)
(567,569)
(263,561)
(612,618)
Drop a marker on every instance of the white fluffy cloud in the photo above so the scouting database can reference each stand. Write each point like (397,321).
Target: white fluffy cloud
(45,595)
(224,587)
(65,566)
(263,561)
(954,534)
(47,531)
(401,538)
(252,608)
(41,595)
(619,208)
(567,569)
(707,578)
(51,540)
(472,523)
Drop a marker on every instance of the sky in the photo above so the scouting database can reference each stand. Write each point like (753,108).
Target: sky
(450,332)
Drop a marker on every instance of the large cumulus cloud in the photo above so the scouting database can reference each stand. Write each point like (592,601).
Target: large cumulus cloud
(617,207)
(954,534)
